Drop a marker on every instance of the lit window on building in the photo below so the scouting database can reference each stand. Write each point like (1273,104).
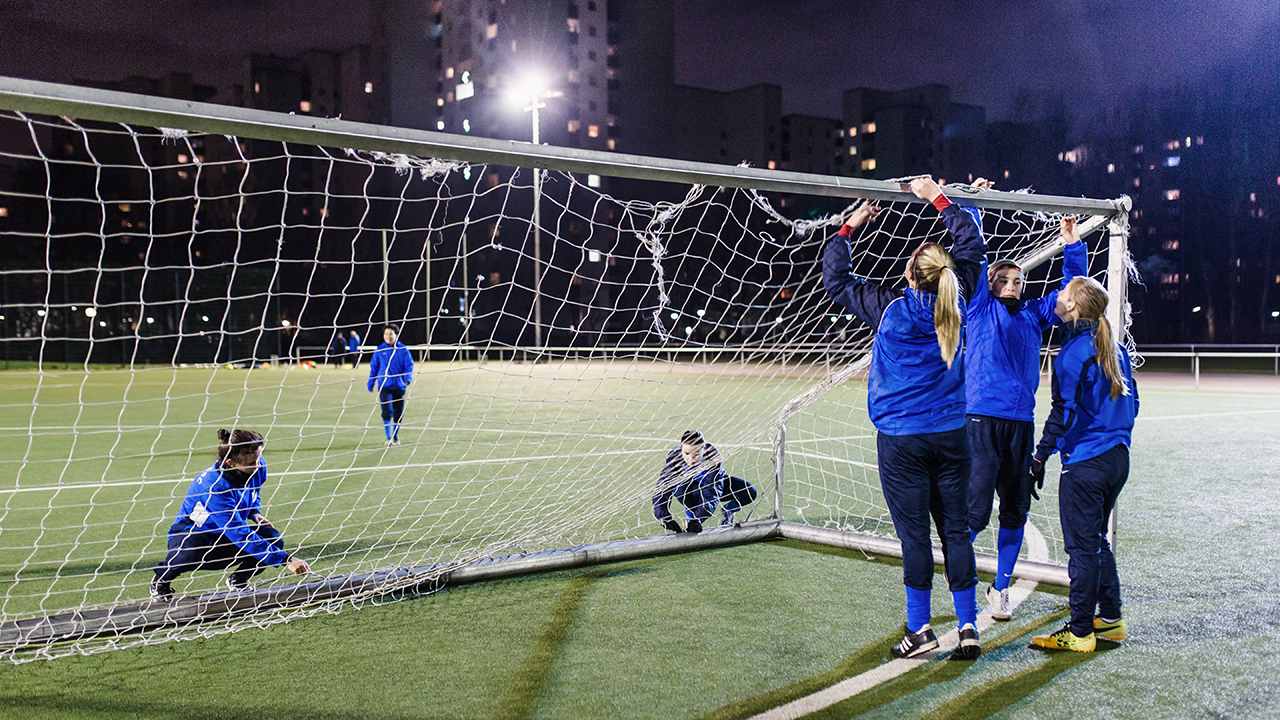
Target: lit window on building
(182,158)
(439,124)
(773,165)
(1173,194)
(1137,182)
(1170,279)
(593,181)
(1137,149)
(1187,142)
(593,256)
(593,131)
(1172,145)
(613,144)
(439,102)
(448,73)
(853,150)
(1253,197)
(1170,245)
(575,125)
(868,127)
(1111,167)
(368,87)
(1173,161)
(4,212)
(305,106)
(448,97)
(853,132)
(573,25)
(257,88)
(491,32)
(869,164)
(1199,139)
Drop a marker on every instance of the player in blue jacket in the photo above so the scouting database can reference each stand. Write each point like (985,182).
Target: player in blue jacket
(1090,425)
(221,522)
(390,372)
(694,474)
(916,399)
(1002,372)
(353,348)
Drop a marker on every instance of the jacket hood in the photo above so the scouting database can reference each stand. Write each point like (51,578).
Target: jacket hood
(1076,327)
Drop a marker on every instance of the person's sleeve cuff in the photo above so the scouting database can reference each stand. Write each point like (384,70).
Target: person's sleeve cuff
(942,202)
(845,231)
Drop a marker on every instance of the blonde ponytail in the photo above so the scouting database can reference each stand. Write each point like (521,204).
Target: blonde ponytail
(934,271)
(1091,304)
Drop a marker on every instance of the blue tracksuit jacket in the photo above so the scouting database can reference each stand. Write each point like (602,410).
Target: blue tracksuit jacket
(390,368)
(701,485)
(353,344)
(1002,355)
(213,504)
(911,390)
(1084,421)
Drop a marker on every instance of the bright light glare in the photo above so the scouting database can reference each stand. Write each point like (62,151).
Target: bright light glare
(1195,309)
(40,313)
(91,312)
(284,323)
(150,320)
(1274,313)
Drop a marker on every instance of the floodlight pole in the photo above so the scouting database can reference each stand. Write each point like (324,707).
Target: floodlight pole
(539,101)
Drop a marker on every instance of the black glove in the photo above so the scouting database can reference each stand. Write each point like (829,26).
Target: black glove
(695,527)
(1035,477)
(673,526)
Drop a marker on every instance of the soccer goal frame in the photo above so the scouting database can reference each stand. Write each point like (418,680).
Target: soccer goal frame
(25,96)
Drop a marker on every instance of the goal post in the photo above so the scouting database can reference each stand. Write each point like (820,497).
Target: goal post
(173,261)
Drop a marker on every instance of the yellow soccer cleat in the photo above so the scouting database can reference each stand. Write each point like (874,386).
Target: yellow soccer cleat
(1109,630)
(1064,639)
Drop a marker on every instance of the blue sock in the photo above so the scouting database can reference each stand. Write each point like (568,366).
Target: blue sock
(1008,545)
(966,603)
(386,428)
(973,536)
(917,609)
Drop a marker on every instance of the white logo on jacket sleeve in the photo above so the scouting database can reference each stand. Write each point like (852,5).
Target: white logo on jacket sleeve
(199,514)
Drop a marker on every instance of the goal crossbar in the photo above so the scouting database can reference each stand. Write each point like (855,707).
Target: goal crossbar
(111,106)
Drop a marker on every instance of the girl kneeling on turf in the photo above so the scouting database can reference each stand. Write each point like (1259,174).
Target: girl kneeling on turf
(1094,404)
(221,522)
(916,399)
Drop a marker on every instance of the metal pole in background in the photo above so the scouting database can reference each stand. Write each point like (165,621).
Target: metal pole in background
(537,238)
(779,464)
(386,269)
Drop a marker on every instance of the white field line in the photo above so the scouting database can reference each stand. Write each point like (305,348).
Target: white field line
(847,688)
(1142,418)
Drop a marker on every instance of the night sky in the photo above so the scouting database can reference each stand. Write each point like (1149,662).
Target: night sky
(1083,49)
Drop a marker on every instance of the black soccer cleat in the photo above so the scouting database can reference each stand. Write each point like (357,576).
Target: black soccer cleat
(695,526)
(915,643)
(161,591)
(237,584)
(968,649)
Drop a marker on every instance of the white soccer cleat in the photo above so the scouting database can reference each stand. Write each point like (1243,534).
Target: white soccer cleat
(999,602)
(237,586)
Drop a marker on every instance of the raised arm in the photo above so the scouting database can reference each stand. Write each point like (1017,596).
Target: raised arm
(864,299)
(1075,263)
(968,248)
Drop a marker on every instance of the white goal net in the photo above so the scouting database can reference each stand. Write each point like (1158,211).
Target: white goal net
(164,279)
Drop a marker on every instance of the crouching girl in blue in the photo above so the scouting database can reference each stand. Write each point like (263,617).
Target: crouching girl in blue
(694,474)
(221,522)
(1090,425)
(390,372)
(916,399)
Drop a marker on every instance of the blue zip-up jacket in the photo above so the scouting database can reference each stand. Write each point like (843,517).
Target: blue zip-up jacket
(1002,356)
(1084,421)
(390,368)
(213,504)
(353,344)
(911,391)
(709,474)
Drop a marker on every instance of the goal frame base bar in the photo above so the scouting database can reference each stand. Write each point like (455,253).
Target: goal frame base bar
(34,633)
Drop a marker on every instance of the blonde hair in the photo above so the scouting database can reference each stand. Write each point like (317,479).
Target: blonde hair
(1091,304)
(935,271)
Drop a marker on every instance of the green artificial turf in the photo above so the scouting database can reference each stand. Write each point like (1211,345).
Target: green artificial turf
(726,633)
